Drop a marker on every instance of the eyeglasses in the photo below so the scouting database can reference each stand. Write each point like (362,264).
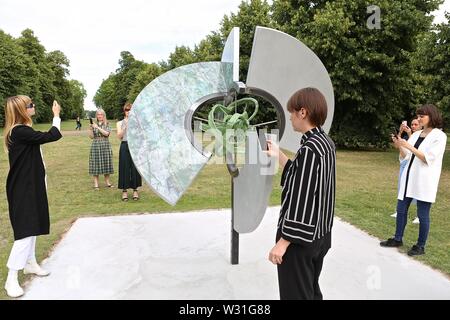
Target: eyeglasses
(31,105)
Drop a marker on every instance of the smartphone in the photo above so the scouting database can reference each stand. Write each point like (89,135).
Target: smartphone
(270,137)
(90,120)
(404,123)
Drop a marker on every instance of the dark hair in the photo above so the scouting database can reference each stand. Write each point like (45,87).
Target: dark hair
(127,106)
(313,101)
(432,111)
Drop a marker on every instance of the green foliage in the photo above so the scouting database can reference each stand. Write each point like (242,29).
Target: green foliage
(432,60)
(113,92)
(143,78)
(250,15)
(380,76)
(13,69)
(26,68)
(371,69)
(75,100)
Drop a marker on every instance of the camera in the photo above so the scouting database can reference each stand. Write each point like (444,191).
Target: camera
(90,120)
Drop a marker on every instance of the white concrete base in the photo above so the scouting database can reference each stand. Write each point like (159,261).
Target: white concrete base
(187,256)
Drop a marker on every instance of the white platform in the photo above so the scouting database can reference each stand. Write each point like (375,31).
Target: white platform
(186,256)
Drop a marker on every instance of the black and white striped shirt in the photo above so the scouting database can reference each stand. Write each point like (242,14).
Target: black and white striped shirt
(308,189)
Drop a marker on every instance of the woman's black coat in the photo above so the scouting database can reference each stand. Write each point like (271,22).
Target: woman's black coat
(25,185)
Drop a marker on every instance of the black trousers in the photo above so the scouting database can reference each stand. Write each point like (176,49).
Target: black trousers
(298,274)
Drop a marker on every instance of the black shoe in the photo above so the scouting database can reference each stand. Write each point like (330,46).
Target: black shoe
(391,242)
(416,251)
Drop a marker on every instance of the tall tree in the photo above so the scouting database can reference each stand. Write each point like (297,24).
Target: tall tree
(113,92)
(13,70)
(144,77)
(59,66)
(250,15)
(75,101)
(370,68)
(41,87)
(432,61)
(105,96)
(181,56)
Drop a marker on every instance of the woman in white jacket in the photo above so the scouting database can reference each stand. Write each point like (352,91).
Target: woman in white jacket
(424,152)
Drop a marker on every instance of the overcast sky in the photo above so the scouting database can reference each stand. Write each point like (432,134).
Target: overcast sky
(92,33)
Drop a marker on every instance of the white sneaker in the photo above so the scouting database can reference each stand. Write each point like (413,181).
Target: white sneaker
(35,268)
(394,215)
(13,289)
(416,220)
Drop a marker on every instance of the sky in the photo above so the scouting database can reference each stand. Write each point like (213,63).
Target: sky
(92,33)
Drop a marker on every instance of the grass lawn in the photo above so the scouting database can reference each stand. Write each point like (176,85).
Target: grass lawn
(366,196)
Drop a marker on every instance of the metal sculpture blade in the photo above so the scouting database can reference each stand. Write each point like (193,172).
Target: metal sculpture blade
(281,64)
(159,145)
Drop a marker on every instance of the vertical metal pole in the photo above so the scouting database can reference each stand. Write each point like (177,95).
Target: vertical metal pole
(234,233)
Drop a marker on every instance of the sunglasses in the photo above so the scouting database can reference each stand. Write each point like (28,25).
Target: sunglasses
(31,105)
(127,110)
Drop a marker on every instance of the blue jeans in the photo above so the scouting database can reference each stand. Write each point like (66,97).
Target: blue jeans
(423,212)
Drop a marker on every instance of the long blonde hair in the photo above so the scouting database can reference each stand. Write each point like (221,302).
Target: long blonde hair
(100,110)
(15,114)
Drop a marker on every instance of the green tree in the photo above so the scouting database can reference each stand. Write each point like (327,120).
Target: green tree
(13,70)
(210,48)
(105,95)
(250,15)
(113,92)
(40,76)
(371,69)
(432,61)
(59,66)
(26,68)
(75,102)
(181,56)
(144,77)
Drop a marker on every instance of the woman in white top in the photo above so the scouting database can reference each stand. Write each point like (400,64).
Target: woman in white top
(424,152)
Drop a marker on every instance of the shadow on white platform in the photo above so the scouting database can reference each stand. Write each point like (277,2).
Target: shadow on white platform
(187,256)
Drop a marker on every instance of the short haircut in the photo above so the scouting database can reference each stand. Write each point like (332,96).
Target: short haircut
(313,101)
(432,111)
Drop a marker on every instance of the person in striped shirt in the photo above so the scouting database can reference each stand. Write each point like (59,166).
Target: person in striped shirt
(308,197)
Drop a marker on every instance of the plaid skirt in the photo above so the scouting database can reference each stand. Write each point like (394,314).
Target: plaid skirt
(100,158)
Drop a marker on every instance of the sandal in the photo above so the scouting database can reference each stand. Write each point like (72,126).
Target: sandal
(124,196)
(96,188)
(109,186)
(135,198)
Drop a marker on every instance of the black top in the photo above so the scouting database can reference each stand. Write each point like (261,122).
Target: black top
(413,156)
(308,193)
(25,185)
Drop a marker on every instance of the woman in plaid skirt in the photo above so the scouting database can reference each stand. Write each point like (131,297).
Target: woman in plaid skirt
(100,158)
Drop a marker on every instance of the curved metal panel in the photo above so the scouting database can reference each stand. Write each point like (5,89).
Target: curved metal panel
(252,187)
(281,64)
(231,52)
(159,145)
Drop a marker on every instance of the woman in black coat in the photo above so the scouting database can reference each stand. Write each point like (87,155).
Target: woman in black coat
(26,186)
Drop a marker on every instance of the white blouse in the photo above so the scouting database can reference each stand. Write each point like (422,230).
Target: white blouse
(424,177)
